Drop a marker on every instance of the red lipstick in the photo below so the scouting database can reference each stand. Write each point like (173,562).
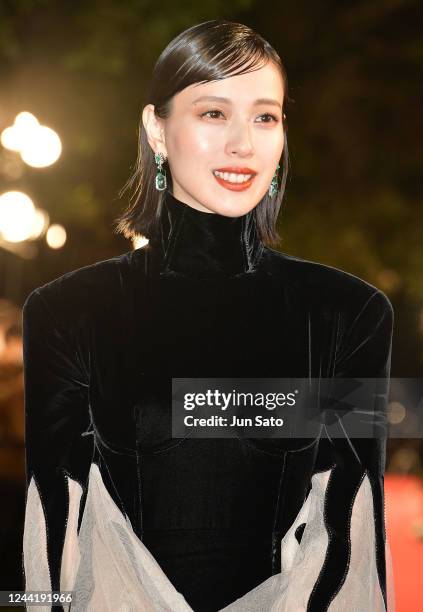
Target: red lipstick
(235,170)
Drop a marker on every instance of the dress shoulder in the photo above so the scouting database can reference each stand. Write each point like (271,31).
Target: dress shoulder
(86,289)
(326,285)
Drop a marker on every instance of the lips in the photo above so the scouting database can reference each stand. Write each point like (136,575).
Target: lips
(236,170)
(234,186)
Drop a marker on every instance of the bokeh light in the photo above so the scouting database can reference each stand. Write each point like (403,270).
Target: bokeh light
(56,236)
(17,216)
(38,145)
(42,147)
(14,136)
(40,225)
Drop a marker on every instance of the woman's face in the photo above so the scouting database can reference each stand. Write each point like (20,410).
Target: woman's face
(238,128)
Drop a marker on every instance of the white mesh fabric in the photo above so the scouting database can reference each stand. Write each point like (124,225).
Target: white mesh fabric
(109,568)
(361,589)
(116,571)
(71,557)
(301,562)
(289,590)
(37,574)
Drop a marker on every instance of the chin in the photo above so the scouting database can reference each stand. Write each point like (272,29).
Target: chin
(237,209)
(229,210)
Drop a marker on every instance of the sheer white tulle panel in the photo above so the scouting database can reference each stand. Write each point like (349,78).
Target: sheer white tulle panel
(37,574)
(109,569)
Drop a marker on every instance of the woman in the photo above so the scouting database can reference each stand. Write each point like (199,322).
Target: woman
(119,511)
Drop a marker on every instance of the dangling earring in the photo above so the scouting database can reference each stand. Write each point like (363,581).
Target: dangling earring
(161,182)
(273,188)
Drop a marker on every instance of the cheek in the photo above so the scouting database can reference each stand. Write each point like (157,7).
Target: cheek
(269,151)
(191,140)
(193,154)
(270,146)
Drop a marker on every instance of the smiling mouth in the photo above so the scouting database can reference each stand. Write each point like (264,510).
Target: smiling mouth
(234,181)
(236,178)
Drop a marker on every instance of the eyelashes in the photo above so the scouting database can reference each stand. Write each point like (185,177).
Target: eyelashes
(274,119)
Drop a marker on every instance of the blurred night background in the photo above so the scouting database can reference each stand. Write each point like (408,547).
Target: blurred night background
(353,197)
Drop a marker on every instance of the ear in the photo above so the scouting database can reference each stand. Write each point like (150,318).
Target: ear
(154,130)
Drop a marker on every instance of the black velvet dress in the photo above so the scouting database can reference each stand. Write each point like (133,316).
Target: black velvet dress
(198,523)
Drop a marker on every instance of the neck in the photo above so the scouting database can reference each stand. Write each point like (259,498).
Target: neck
(198,244)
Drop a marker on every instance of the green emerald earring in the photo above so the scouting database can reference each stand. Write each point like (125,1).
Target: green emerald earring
(161,182)
(273,189)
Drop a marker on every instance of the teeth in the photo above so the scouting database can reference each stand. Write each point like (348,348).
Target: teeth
(231,177)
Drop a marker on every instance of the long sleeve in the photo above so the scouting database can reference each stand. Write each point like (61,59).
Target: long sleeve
(58,453)
(346,503)
(355,566)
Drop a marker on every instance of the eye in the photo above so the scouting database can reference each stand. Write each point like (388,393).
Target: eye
(210,111)
(274,119)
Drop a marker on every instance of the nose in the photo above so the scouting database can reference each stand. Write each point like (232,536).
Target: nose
(239,140)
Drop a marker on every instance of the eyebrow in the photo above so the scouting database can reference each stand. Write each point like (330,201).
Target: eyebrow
(228,101)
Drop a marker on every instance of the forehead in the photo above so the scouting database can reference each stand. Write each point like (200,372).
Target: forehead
(261,84)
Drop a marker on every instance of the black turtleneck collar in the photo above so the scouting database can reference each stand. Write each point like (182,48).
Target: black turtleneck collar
(199,244)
